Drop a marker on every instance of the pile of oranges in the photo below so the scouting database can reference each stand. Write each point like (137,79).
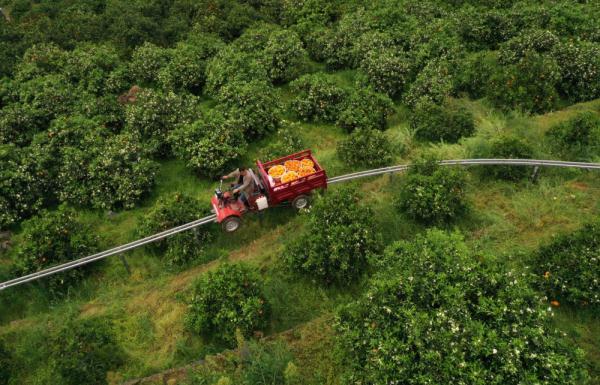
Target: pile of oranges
(292,170)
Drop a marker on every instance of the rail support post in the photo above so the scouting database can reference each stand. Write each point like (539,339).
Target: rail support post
(535,174)
(122,257)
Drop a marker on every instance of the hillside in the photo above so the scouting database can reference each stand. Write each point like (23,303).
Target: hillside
(118,118)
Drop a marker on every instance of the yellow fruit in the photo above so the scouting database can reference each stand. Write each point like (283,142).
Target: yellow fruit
(292,165)
(277,171)
(289,176)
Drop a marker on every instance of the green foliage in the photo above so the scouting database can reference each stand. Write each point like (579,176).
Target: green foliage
(283,56)
(433,84)
(441,123)
(580,70)
(18,123)
(388,71)
(508,148)
(52,238)
(253,105)
(366,148)
(209,146)
(89,66)
(231,65)
(84,351)
(482,28)
(340,44)
(529,84)
(437,315)
(115,173)
(23,184)
(317,98)
(568,268)
(169,212)
(339,241)
(538,41)
(578,137)
(48,96)
(287,141)
(365,109)
(146,62)
(432,194)
(6,364)
(473,72)
(227,299)
(155,114)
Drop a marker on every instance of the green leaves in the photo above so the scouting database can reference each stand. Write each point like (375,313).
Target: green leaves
(366,148)
(577,138)
(338,242)
(227,299)
(437,315)
(441,123)
(317,98)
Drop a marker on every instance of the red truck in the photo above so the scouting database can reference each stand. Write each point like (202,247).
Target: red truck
(270,192)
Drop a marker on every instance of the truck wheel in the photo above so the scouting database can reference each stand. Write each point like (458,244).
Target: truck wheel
(301,202)
(231,224)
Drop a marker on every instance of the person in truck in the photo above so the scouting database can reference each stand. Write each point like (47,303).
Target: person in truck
(246,183)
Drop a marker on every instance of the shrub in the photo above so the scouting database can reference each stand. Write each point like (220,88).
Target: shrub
(388,71)
(230,65)
(283,56)
(317,98)
(171,211)
(372,41)
(578,137)
(485,28)
(109,175)
(18,123)
(84,351)
(339,48)
(366,109)
(432,194)
(339,240)
(52,238)
(209,146)
(253,105)
(441,123)
(287,142)
(367,148)
(5,364)
(530,84)
(509,148)
(579,64)
(23,185)
(227,299)
(40,59)
(146,62)
(255,39)
(89,67)
(49,96)
(154,114)
(433,84)
(568,268)
(436,315)
(538,41)
(473,73)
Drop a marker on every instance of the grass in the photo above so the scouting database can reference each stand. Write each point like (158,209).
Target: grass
(148,307)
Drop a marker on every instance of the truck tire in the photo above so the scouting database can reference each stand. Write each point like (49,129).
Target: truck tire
(231,224)
(301,202)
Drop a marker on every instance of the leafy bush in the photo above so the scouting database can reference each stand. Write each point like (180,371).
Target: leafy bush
(473,73)
(529,84)
(146,62)
(283,56)
(509,148)
(377,42)
(366,109)
(579,64)
(256,38)
(437,315)
(432,194)
(40,59)
(5,364)
(340,44)
(49,96)
(154,114)
(51,238)
(339,240)
(115,174)
(538,41)
(84,351)
(230,65)
(441,123)
(568,268)
(366,148)
(227,299)
(209,146)
(23,184)
(578,137)
(18,123)
(89,67)
(317,98)
(388,71)
(254,105)
(433,84)
(287,141)
(171,211)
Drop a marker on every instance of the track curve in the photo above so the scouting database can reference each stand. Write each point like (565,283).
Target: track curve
(338,179)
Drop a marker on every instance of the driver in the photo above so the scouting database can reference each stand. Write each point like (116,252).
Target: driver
(245,183)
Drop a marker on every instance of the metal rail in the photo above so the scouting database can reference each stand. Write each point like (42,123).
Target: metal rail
(337,179)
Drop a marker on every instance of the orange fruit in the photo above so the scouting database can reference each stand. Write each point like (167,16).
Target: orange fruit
(292,165)
(277,171)
(306,163)
(306,171)
(289,176)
